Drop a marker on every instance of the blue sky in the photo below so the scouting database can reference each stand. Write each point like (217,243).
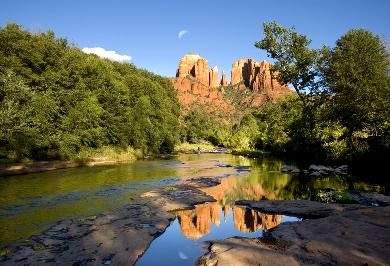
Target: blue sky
(222,31)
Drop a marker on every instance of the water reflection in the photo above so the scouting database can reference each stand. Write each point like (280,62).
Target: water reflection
(197,223)
(31,203)
(183,241)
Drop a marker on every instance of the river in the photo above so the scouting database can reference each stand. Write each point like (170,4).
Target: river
(32,203)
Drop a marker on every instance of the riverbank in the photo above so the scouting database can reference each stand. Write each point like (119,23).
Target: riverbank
(101,156)
(87,157)
(117,237)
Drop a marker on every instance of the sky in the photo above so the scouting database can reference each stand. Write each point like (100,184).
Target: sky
(154,35)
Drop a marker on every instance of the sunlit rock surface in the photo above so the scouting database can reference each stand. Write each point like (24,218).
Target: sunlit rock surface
(331,234)
(197,84)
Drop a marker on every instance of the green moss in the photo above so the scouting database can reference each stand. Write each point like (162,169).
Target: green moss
(170,189)
(88,218)
(335,197)
(38,246)
(4,251)
(345,197)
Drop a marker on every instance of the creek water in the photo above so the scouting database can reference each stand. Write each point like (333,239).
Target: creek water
(31,203)
(184,240)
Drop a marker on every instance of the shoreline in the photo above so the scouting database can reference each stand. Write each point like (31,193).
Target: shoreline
(13,169)
(122,236)
(22,168)
(119,237)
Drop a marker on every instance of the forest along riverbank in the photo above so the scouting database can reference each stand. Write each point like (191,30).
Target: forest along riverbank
(122,234)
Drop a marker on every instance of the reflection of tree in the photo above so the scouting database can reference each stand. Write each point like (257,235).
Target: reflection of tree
(197,222)
(263,182)
(266,182)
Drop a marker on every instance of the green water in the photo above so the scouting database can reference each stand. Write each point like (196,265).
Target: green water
(31,203)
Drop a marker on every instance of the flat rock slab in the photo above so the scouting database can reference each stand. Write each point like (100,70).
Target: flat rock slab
(300,208)
(112,238)
(332,235)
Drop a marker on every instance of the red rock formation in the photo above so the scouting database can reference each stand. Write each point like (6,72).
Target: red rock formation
(186,65)
(223,80)
(256,76)
(201,70)
(197,85)
(238,71)
(196,66)
(214,77)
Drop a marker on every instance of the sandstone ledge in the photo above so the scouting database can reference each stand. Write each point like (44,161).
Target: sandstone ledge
(339,234)
(117,237)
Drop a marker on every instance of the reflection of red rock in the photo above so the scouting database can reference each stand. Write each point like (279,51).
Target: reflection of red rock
(237,188)
(247,220)
(197,222)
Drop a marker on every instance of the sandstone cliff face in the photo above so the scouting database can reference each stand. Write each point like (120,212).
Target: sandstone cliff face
(214,77)
(197,84)
(224,80)
(256,76)
(186,65)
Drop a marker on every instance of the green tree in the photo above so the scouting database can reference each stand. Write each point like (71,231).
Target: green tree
(56,100)
(358,77)
(297,65)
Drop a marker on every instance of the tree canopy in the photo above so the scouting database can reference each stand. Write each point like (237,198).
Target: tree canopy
(55,100)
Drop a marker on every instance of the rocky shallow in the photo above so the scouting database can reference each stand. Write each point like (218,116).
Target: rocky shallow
(118,237)
(317,170)
(329,234)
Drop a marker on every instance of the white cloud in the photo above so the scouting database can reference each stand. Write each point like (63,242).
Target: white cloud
(103,53)
(182,32)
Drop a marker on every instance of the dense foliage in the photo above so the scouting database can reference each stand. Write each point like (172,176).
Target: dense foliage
(56,100)
(341,111)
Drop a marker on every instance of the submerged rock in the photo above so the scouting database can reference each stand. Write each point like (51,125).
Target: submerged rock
(286,169)
(117,237)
